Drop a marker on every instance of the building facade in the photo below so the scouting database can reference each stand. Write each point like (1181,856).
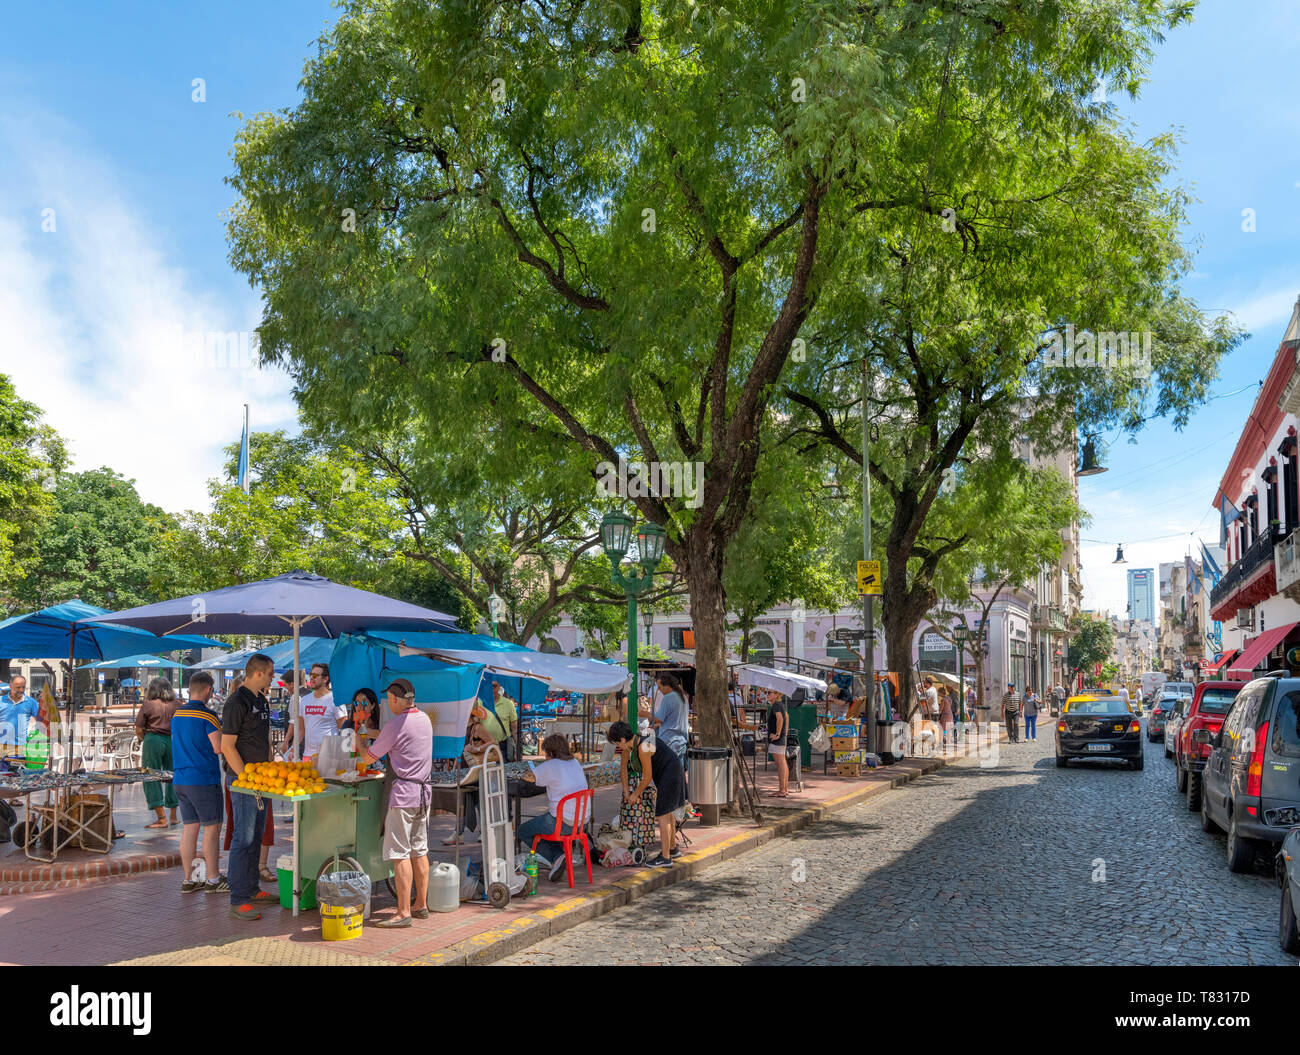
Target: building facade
(1141,594)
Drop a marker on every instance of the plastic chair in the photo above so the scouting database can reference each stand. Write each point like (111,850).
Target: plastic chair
(581,808)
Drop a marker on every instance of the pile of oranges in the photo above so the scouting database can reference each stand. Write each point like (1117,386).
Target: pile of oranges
(281,778)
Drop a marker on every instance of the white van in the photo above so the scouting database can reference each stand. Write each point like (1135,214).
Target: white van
(1152,683)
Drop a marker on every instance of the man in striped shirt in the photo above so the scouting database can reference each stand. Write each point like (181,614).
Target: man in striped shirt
(196,779)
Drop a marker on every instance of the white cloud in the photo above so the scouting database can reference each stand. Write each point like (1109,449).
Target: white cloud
(1269,308)
(94,314)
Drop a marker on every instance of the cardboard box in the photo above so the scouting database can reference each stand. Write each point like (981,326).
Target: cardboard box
(848,769)
(843,729)
(844,743)
(850,756)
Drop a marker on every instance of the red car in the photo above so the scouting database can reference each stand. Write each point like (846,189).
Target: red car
(1210,705)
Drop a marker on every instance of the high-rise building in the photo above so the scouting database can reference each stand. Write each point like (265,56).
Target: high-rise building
(1142,594)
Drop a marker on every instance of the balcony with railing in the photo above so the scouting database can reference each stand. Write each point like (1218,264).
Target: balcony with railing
(1244,585)
(1286,562)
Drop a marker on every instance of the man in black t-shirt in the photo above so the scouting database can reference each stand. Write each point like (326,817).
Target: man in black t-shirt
(246,737)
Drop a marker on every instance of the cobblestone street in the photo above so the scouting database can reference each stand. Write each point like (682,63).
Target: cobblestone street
(1021,863)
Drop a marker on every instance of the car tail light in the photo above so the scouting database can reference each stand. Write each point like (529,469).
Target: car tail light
(1255,774)
(1136,727)
(1060,727)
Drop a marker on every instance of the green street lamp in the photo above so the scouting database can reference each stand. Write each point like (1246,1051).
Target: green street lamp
(497,609)
(615,539)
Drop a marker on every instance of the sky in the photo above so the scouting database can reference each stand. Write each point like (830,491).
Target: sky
(107,299)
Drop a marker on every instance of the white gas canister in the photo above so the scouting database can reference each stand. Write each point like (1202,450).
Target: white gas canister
(444,888)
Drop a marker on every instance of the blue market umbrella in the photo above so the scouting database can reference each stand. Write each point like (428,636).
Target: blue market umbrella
(297,602)
(151,662)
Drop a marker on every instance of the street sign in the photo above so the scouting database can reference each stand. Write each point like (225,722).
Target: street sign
(849,635)
(935,643)
(869,581)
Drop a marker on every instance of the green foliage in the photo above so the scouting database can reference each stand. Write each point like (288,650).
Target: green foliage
(102,545)
(31,457)
(1092,641)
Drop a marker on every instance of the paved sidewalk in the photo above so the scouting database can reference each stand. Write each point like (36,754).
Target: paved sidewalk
(145,918)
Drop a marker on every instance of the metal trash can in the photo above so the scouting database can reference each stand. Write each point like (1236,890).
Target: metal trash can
(708,775)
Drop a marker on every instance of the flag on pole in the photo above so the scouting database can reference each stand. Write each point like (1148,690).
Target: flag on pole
(1226,517)
(1210,564)
(242,476)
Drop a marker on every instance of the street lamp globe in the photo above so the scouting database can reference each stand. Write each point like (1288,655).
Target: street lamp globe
(650,544)
(615,536)
(496,607)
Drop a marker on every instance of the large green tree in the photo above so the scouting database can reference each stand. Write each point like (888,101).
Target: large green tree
(31,457)
(102,545)
(570,234)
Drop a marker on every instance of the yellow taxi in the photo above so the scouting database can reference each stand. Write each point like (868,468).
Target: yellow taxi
(1099,724)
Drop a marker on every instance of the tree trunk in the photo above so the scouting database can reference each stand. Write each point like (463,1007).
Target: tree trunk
(903,610)
(709,618)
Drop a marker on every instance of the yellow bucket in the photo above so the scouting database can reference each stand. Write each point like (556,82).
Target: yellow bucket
(340,922)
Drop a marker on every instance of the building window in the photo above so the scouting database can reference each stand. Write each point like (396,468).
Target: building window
(681,638)
(551,647)
(762,648)
(1289,494)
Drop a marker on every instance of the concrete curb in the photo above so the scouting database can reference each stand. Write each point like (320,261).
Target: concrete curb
(504,941)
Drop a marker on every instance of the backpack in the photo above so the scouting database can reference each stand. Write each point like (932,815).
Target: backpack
(8,818)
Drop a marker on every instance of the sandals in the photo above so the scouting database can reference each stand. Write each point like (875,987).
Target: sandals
(268,876)
(158,824)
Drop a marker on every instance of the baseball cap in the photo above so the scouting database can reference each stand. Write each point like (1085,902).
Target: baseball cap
(402,688)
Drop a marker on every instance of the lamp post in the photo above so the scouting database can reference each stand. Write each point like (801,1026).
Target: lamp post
(960,634)
(497,609)
(648,621)
(615,539)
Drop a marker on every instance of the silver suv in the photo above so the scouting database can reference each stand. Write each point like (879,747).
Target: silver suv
(1252,777)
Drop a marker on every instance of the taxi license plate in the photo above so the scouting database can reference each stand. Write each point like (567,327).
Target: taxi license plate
(1099,747)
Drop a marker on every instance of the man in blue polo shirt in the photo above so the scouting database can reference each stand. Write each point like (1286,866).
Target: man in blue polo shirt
(16,710)
(196,779)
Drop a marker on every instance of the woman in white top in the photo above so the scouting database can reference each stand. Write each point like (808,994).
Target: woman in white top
(561,775)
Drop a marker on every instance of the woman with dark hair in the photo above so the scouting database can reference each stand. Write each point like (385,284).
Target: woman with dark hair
(654,761)
(364,713)
(561,775)
(153,725)
(670,719)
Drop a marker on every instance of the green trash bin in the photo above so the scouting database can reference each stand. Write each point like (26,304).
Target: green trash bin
(803,720)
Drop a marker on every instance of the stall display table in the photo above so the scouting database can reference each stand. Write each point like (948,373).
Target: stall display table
(342,821)
(70,812)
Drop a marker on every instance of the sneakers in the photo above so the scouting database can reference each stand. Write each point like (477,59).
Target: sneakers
(217,886)
(660,862)
(264,897)
(677,852)
(248,912)
(190,885)
(557,869)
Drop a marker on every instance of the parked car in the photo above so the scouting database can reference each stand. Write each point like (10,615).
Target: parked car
(1288,879)
(1160,714)
(1174,721)
(1252,777)
(1175,688)
(1210,705)
(1098,726)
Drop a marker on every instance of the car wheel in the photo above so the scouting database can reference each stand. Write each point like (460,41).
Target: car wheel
(1168,753)
(1207,822)
(1288,933)
(1193,781)
(1062,761)
(1241,851)
(1180,776)
(1138,763)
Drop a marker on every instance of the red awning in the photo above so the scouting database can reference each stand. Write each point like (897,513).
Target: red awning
(1257,652)
(1227,658)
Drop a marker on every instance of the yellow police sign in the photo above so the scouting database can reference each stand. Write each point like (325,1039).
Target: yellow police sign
(869,580)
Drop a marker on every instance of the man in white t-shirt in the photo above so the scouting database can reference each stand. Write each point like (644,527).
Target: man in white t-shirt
(318,714)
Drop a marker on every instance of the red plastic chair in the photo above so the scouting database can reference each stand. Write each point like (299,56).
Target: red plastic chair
(581,808)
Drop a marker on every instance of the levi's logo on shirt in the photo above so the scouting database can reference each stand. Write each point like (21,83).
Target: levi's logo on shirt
(316,709)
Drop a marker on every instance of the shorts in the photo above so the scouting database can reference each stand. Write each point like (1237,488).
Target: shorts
(406,833)
(200,803)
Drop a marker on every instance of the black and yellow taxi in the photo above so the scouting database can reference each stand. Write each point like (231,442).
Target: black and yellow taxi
(1099,725)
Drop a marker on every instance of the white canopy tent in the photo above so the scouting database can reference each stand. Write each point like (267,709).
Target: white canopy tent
(561,673)
(782,681)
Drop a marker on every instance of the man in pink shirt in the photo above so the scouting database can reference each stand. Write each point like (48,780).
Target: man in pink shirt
(407,740)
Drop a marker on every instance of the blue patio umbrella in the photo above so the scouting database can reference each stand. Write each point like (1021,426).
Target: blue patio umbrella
(137,661)
(296,603)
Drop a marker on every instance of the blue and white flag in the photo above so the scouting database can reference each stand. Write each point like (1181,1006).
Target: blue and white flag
(1211,565)
(241,476)
(1226,518)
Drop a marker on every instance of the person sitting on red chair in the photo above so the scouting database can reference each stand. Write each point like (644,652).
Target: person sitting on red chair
(561,775)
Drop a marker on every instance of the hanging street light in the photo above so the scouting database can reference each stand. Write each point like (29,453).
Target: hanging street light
(615,539)
(1119,555)
(1090,466)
